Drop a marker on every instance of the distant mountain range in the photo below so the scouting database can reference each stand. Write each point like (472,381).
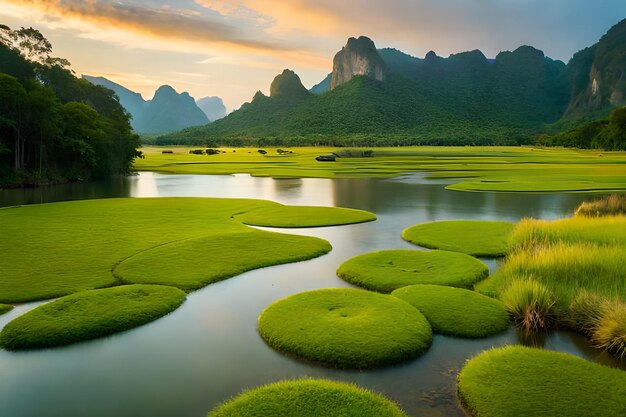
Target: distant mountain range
(168,110)
(388,97)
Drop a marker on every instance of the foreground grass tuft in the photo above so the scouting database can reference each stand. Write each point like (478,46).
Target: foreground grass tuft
(609,332)
(530,303)
(612,205)
(388,270)
(456,311)
(304,216)
(473,237)
(89,315)
(345,328)
(518,381)
(308,398)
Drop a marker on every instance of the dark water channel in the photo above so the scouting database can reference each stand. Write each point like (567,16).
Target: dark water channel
(208,350)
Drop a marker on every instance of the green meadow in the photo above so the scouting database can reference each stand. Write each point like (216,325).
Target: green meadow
(308,397)
(480,169)
(518,381)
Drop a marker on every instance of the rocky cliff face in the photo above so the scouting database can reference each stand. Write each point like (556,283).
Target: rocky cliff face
(288,85)
(598,74)
(213,107)
(358,57)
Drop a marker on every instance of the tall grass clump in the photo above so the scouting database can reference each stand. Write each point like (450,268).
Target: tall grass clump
(612,205)
(530,303)
(530,233)
(610,329)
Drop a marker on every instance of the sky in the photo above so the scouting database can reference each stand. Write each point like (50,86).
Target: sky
(233,48)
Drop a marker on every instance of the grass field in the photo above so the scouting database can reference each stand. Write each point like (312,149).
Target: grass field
(385,271)
(473,237)
(303,216)
(505,169)
(4,308)
(89,315)
(456,311)
(345,328)
(52,250)
(308,398)
(518,381)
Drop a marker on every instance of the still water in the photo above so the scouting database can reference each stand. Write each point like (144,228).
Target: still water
(209,350)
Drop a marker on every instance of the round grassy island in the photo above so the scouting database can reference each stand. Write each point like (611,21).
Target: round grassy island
(456,311)
(304,216)
(473,237)
(388,270)
(518,381)
(345,328)
(308,397)
(5,308)
(89,315)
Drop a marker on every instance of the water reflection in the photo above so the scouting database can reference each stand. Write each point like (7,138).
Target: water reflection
(209,350)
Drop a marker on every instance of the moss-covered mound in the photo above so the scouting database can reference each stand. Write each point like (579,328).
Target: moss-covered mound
(304,216)
(387,270)
(456,311)
(518,381)
(308,398)
(89,315)
(5,308)
(473,237)
(195,263)
(345,328)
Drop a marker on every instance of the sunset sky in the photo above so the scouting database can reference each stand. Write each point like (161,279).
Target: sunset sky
(232,48)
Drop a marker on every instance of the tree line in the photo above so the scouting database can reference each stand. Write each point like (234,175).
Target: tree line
(54,126)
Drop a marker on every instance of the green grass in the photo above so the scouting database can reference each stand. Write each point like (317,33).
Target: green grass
(89,315)
(530,303)
(385,271)
(303,216)
(456,311)
(480,169)
(308,398)
(195,263)
(518,381)
(345,328)
(613,205)
(52,250)
(4,308)
(473,237)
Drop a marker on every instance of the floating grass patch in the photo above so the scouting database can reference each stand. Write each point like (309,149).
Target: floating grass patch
(306,398)
(530,303)
(304,216)
(387,270)
(89,315)
(612,205)
(518,381)
(473,237)
(456,311)
(345,328)
(4,308)
(52,250)
(195,263)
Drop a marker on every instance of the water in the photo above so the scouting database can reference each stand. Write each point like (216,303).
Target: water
(209,350)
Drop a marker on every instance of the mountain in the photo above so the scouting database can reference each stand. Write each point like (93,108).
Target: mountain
(358,57)
(168,111)
(323,86)
(288,86)
(213,107)
(386,97)
(598,75)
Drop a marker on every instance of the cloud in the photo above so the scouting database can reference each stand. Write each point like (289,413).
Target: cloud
(164,23)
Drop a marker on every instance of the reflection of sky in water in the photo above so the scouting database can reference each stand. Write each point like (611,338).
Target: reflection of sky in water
(209,350)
